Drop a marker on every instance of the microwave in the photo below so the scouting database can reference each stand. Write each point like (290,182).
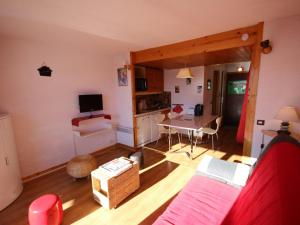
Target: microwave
(141,84)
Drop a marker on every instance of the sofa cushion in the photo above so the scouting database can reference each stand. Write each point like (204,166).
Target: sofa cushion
(272,193)
(232,173)
(202,201)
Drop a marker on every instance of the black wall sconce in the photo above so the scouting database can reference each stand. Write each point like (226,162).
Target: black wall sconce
(45,71)
(266,47)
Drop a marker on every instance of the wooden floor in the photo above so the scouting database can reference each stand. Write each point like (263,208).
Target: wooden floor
(162,178)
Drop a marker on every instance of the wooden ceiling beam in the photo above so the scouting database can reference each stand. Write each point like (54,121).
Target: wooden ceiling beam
(212,43)
(232,55)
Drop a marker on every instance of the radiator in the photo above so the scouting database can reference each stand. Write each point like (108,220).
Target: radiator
(125,135)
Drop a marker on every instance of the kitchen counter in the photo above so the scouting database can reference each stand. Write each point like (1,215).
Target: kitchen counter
(149,112)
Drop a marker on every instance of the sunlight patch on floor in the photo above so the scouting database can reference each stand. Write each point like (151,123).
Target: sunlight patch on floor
(218,154)
(151,199)
(152,166)
(181,157)
(142,205)
(90,219)
(68,204)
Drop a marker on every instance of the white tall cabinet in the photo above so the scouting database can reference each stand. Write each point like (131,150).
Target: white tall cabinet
(11,183)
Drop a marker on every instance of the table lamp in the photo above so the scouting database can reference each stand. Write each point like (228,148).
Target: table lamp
(286,114)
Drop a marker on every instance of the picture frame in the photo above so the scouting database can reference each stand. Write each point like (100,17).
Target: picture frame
(177,89)
(122,77)
(199,89)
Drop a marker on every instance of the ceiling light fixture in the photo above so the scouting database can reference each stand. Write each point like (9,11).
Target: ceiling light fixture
(245,36)
(185,73)
(240,68)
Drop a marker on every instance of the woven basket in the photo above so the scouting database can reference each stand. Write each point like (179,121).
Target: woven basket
(81,166)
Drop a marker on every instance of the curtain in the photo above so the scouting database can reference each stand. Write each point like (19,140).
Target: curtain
(242,123)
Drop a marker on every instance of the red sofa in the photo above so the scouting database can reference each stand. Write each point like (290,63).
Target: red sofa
(270,197)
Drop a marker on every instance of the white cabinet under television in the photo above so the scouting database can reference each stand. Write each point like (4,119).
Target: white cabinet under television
(11,183)
(92,134)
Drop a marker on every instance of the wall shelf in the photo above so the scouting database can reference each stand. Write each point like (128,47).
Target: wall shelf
(77,120)
(85,134)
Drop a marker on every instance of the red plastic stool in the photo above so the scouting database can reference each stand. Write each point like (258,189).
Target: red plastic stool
(46,210)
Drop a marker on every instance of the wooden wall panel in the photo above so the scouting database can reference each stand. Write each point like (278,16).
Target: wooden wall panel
(214,46)
(133,100)
(217,42)
(232,55)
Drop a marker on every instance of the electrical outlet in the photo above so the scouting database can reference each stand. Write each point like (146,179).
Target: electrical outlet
(260,122)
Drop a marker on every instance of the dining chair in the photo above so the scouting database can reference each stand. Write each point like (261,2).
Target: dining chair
(168,131)
(209,131)
(172,115)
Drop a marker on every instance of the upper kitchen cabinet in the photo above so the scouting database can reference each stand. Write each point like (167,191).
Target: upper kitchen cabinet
(139,72)
(155,79)
(148,80)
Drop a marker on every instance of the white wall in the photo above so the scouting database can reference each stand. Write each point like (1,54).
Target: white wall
(188,93)
(42,107)
(279,78)
(123,103)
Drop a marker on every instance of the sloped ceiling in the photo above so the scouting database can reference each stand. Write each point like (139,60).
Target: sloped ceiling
(138,24)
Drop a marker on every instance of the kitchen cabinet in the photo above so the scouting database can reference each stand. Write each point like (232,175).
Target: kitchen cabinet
(155,79)
(143,130)
(155,119)
(153,76)
(147,128)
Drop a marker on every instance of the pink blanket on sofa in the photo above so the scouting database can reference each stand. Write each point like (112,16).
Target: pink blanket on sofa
(270,197)
(203,201)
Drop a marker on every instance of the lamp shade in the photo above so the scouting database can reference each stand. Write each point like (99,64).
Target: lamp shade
(185,73)
(287,114)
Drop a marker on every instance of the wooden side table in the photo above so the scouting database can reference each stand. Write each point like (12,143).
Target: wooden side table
(109,191)
(272,134)
(269,133)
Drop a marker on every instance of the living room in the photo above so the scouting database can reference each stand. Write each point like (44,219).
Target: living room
(84,49)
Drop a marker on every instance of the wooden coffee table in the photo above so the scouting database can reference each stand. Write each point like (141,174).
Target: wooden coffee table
(109,191)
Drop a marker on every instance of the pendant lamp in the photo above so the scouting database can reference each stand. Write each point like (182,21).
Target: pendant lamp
(185,73)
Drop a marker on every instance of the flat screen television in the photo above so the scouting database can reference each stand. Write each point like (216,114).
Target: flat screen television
(90,103)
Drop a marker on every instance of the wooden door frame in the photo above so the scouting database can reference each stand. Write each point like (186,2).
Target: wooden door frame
(211,43)
(215,89)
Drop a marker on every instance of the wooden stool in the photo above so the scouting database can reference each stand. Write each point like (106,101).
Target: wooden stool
(81,166)
(46,210)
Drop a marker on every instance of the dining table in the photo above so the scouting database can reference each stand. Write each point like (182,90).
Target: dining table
(187,122)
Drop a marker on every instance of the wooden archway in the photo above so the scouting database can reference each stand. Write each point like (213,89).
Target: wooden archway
(230,41)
